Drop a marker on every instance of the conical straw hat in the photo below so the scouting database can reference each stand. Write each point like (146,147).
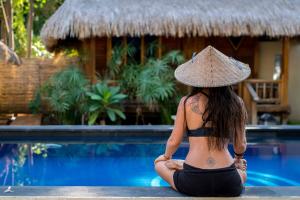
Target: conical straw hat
(211,68)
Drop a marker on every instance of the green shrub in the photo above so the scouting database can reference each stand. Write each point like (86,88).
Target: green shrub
(104,101)
(65,94)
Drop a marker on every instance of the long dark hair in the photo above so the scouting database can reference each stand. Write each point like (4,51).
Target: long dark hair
(226,112)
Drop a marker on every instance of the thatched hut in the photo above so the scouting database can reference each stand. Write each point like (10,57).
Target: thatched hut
(252,31)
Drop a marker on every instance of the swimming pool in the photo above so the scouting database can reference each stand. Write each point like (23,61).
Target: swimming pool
(272,161)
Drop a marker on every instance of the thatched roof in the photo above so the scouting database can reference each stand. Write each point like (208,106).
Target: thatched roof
(87,18)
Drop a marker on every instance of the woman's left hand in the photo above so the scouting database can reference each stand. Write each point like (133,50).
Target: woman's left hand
(160,158)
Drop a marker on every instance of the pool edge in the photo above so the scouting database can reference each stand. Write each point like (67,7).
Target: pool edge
(89,192)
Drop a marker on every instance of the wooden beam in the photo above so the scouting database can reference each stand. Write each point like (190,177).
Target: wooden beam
(142,49)
(285,72)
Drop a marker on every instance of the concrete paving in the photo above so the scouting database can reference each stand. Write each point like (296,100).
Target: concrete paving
(90,193)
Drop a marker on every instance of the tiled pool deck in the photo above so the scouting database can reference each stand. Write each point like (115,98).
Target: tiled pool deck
(89,193)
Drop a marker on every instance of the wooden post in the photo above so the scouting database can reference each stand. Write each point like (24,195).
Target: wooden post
(247,101)
(240,89)
(253,113)
(159,52)
(284,75)
(85,57)
(90,58)
(108,49)
(256,60)
(142,49)
(92,73)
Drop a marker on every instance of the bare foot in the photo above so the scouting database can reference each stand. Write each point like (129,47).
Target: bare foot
(243,175)
(174,164)
(241,164)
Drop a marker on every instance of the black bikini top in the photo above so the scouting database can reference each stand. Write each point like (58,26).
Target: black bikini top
(201,131)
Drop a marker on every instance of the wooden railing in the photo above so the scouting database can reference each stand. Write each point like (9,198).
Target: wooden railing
(264,96)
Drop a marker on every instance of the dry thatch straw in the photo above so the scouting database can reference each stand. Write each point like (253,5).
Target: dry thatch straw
(87,18)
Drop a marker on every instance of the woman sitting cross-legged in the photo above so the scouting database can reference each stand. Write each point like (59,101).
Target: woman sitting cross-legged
(212,115)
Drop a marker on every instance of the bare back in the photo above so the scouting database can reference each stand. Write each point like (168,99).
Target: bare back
(199,154)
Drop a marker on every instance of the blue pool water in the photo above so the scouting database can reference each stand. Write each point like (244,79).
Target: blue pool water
(275,163)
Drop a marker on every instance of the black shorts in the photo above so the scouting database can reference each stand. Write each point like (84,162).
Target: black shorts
(192,181)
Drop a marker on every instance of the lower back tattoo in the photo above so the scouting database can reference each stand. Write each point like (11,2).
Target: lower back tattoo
(210,161)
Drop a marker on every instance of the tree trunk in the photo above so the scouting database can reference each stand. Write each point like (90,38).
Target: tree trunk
(29,27)
(9,14)
(4,24)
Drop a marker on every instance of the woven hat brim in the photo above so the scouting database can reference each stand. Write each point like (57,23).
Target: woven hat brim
(228,73)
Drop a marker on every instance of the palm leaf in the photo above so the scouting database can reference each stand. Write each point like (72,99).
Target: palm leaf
(93,117)
(111,114)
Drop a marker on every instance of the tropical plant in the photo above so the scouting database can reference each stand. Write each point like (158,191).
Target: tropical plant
(152,49)
(119,52)
(104,101)
(155,82)
(130,79)
(174,57)
(152,82)
(65,94)
(36,103)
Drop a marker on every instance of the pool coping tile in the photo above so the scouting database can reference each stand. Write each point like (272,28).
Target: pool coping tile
(89,192)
